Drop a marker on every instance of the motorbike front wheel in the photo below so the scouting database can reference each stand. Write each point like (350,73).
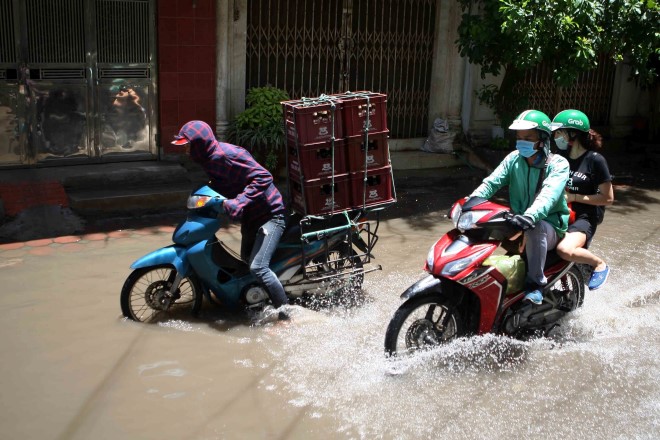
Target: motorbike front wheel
(145,296)
(422,323)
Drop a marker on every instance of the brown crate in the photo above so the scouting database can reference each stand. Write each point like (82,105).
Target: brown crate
(354,113)
(377,154)
(378,188)
(311,121)
(316,159)
(318,195)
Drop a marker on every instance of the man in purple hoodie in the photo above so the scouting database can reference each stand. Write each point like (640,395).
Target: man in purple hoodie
(252,199)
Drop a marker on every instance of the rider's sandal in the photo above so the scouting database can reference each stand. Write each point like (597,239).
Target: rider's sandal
(599,278)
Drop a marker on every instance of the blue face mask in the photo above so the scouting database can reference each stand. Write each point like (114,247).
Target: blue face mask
(561,143)
(526,148)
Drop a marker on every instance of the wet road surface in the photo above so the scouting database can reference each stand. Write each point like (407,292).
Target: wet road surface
(74,369)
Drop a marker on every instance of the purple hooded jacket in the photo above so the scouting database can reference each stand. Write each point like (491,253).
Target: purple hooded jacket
(251,195)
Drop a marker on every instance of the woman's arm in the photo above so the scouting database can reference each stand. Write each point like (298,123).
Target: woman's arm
(604,198)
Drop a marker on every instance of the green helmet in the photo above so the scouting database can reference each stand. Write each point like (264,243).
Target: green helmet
(532,119)
(571,119)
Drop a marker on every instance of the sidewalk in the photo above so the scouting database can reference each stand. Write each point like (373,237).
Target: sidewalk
(79,200)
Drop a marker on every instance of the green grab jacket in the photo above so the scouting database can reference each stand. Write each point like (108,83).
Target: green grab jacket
(522,179)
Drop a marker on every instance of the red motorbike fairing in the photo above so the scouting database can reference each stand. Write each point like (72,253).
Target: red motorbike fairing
(450,249)
(488,286)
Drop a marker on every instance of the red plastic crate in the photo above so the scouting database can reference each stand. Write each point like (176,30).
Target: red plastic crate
(377,154)
(311,121)
(378,188)
(318,195)
(316,159)
(355,105)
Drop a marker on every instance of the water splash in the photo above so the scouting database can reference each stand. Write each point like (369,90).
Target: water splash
(596,377)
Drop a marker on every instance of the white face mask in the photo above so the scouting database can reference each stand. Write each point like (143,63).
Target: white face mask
(561,142)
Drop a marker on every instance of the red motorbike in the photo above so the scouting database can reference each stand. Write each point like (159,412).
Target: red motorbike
(464,294)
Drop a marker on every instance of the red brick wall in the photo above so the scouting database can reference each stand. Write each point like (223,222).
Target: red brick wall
(20,196)
(186,63)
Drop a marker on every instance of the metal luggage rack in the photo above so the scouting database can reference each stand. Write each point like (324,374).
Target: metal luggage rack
(330,266)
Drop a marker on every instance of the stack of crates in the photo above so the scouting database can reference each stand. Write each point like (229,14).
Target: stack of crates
(337,153)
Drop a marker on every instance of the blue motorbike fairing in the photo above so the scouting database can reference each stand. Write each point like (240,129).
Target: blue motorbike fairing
(425,285)
(173,254)
(200,256)
(194,229)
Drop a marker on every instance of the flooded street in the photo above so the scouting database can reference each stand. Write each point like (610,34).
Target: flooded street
(73,368)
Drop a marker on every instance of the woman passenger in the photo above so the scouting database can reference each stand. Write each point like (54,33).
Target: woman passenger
(588,191)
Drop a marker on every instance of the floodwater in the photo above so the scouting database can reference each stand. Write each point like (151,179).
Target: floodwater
(72,368)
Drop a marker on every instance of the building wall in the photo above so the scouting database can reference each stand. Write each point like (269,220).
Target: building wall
(186,64)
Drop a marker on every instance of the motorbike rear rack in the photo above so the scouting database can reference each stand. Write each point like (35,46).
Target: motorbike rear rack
(353,250)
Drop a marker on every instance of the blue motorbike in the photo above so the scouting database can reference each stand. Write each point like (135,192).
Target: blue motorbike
(316,256)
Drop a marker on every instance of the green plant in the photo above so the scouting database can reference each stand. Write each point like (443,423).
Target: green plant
(260,127)
(499,144)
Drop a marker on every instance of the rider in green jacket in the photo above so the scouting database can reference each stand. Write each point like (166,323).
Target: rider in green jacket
(539,206)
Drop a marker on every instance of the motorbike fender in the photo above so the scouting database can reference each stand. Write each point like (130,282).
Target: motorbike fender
(426,285)
(174,255)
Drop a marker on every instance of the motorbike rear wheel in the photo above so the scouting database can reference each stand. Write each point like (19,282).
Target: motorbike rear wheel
(340,286)
(145,295)
(422,323)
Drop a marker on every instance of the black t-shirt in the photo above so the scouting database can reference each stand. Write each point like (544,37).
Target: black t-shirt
(587,172)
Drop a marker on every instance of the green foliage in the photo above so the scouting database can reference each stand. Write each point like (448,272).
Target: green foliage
(512,36)
(500,144)
(260,128)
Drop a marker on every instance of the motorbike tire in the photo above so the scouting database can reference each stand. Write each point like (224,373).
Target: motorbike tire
(573,282)
(142,296)
(340,292)
(422,332)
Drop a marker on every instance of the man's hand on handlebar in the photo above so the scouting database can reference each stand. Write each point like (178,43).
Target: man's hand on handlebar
(521,222)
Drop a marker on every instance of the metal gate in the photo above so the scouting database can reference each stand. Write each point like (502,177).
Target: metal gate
(328,46)
(591,93)
(77,81)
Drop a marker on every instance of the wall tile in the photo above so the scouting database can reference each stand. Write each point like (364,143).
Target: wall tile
(187,86)
(205,32)
(167,8)
(168,59)
(206,111)
(205,9)
(185,8)
(204,85)
(205,58)
(167,30)
(168,86)
(188,61)
(185,31)
(187,110)
(169,112)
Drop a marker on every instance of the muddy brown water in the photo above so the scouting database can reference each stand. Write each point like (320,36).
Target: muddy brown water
(72,368)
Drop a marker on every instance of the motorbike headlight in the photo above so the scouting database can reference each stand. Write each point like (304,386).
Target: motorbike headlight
(457,266)
(195,202)
(455,214)
(468,220)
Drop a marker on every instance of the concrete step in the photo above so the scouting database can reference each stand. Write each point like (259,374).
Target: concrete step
(416,160)
(126,200)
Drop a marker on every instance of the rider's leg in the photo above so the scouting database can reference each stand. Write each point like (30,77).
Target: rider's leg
(267,239)
(538,241)
(570,248)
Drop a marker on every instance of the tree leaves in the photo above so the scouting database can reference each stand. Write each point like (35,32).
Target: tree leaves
(520,34)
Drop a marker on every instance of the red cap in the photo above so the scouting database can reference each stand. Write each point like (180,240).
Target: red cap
(180,140)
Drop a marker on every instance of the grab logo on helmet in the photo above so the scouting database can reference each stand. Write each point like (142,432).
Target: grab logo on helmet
(575,121)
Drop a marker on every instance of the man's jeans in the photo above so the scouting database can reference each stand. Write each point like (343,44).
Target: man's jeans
(260,247)
(540,240)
